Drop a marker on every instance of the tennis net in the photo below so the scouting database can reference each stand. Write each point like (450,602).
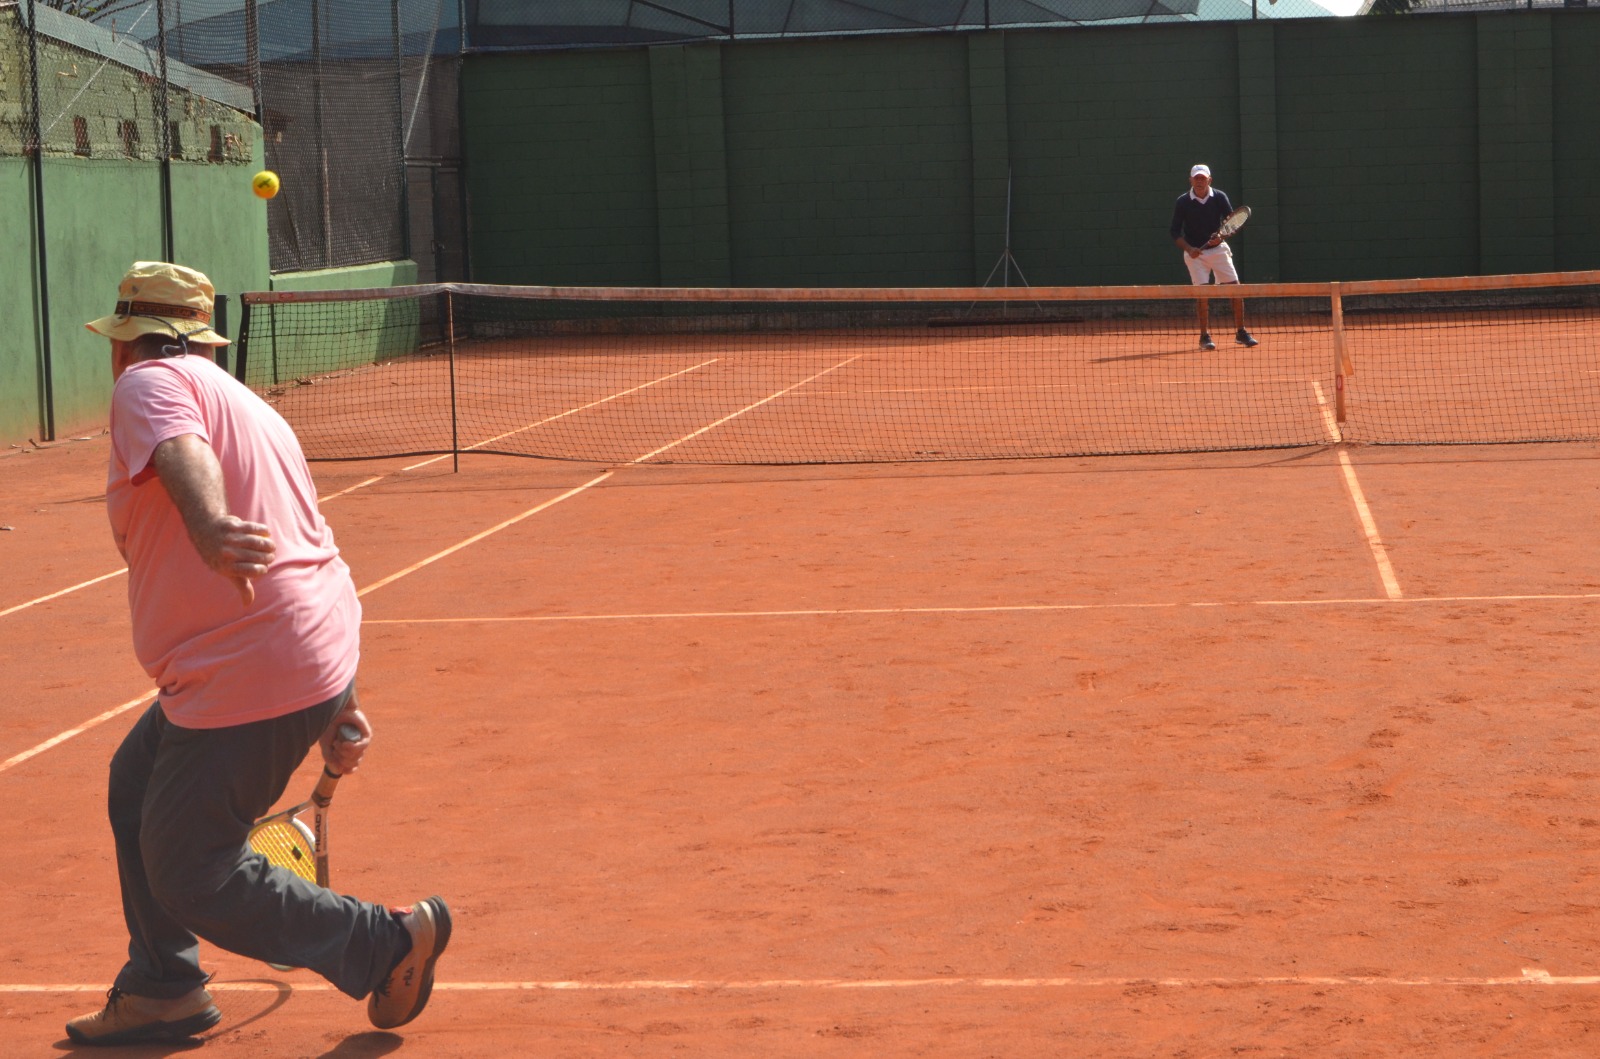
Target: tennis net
(636,375)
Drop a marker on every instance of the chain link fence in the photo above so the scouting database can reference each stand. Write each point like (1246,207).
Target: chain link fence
(356,101)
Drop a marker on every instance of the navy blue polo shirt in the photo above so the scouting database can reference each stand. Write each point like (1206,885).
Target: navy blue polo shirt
(1198,221)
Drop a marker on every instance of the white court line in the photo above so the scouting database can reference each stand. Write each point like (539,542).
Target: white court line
(1530,976)
(109,714)
(64,736)
(353,488)
(1329,421)
(119,573)
(1019,608)
(594,481)
(1369,526)
(381,477)
(476,537)
(63,592)
(748,408)
(92,722)
(568,412)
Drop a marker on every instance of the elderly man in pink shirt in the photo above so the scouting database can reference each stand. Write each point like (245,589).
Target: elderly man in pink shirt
(245,617)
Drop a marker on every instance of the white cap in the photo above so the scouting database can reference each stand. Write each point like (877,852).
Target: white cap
(1200,170)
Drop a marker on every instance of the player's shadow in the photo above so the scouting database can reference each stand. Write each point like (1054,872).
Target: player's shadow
(368,1045)
(131,1051)
(281,992)
(1142,356)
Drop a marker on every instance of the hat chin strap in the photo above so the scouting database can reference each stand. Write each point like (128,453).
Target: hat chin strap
(181,349)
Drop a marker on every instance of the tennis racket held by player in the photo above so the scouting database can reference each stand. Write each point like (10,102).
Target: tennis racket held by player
(285,840)
(1230,224)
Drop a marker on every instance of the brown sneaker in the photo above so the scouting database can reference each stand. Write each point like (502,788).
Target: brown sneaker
(129,1019)
(404,994)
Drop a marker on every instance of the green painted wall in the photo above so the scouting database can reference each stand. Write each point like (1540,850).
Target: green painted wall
(102,212)
(566,143)
(355,277)
(1377,125)
(1371,148)
(100,217)
(1575,86)
(1104,127)
(691,166)
(20,396)
(362,332)
(849,164)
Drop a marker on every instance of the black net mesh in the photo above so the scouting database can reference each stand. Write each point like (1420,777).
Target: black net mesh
(740,376)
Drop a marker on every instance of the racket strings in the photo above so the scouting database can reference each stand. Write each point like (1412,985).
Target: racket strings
(288,845)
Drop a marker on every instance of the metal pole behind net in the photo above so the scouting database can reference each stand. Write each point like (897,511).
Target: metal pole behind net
(164,131)
(36,149)
(450,338)
(400,132)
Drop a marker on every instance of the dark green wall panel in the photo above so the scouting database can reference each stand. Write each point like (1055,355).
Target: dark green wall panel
(849,162)
(1575,88)
(1370,148)
(1378,148)
(1104,128)
(561,158)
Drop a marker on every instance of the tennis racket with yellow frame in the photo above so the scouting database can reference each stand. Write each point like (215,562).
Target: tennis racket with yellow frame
(285,840)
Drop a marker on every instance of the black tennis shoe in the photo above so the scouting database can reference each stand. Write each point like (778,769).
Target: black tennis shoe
(404,993)
(1205,340)
(129,1019)
(1245,338)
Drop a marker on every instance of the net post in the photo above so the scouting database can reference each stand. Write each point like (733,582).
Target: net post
(272,338)
(1341,360)
(241,349)
(450,347)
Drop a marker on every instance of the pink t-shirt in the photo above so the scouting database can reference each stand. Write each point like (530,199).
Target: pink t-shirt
(217,662)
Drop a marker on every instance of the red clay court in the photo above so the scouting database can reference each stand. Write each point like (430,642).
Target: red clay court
(1258,753)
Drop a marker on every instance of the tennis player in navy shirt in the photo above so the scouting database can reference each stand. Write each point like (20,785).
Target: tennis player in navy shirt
(1198,214)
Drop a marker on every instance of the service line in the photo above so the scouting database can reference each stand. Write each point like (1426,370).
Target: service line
(998,608)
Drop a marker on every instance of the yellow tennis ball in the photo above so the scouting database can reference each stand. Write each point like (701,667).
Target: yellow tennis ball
(265,184)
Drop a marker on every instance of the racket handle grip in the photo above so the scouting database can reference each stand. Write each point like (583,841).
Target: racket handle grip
(349,733)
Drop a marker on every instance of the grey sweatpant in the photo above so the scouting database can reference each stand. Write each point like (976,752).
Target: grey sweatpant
(182,801)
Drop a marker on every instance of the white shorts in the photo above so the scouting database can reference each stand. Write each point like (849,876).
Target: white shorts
(1218,260)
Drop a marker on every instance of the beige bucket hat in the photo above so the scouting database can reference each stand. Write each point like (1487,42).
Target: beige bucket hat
(160,298)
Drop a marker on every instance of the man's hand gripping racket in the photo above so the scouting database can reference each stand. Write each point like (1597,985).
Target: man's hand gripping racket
(285,840)
(1230,224)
